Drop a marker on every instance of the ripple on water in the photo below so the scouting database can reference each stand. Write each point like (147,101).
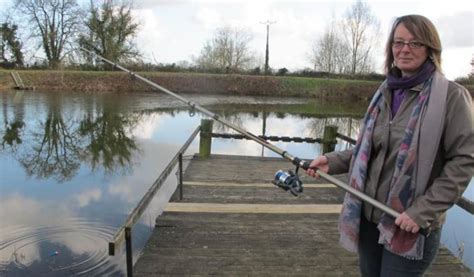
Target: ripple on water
(77,246)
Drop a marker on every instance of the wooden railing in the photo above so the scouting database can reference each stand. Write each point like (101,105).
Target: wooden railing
(125,231)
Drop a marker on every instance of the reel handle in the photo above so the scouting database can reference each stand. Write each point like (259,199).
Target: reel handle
(288,181)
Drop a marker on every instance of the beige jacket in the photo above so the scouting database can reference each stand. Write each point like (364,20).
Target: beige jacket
(453,165)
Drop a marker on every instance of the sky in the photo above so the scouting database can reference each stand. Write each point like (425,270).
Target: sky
(175,31)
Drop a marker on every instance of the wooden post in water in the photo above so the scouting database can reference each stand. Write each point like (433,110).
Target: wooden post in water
(180,183)
(205,139)
(329,138)
(129,251)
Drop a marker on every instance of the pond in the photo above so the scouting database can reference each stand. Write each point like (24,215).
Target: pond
(74,165)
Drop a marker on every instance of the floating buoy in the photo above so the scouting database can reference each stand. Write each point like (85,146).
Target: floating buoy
(55,253)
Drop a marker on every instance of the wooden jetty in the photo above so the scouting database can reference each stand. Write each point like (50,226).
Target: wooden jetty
(233,222)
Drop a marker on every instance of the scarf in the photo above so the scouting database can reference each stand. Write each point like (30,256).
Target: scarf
(402,189)
(394,81)
(400,85)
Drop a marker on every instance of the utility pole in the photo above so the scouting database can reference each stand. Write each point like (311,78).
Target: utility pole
(268,23)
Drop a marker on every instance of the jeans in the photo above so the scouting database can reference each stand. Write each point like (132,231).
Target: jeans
(375,261)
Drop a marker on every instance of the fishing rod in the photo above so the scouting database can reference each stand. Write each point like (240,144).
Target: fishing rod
(286,180)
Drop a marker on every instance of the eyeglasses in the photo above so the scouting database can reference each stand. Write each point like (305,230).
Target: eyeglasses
(399,44)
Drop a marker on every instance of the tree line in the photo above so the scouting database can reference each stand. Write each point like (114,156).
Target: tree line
(60,27)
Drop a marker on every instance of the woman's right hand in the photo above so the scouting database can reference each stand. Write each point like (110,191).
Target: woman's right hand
(320,163)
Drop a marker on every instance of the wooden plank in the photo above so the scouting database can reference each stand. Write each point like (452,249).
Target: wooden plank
(242,169)
(244,244)
(251,208)
(233,222)
(262,195)
(203,244)
(259,185)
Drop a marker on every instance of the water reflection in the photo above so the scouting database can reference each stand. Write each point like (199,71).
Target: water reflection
(101,136)
(74,166)
(107,139)
(59,140)
(13,124)
(55,150)
(38,237)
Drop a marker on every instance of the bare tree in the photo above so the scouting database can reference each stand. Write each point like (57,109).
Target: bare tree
(322,52)
(110,30)
(227,51)
(54,22)
(329,52)
(341,57)
(361,30)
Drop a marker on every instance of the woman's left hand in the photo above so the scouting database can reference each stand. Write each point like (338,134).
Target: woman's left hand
(406,223)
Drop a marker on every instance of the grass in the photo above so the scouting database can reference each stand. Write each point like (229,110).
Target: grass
(116,81)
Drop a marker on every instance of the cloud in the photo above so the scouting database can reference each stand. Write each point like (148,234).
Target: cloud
(143,4)
(88,196)
(456,30)
(15,205)
(147,126)
(125,191)
(208,18)
(150,32)
(15,213)
(132,188)
(456,62)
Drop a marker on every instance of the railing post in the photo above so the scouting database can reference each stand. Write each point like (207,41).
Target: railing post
(128,251)
(180,184)
(205,138)
(329,138)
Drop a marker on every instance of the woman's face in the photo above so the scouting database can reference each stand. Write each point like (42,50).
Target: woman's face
(408,57)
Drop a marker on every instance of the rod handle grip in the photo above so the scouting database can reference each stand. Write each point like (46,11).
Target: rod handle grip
(305,165)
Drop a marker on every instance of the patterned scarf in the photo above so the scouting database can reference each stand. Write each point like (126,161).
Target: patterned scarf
(402,189)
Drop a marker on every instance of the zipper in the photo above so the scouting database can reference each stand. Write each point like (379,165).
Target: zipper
(387,142)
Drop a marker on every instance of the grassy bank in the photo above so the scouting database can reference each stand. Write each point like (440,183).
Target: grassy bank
(94,81)
(89,81)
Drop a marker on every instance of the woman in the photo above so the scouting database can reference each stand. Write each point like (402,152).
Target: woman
(415,152)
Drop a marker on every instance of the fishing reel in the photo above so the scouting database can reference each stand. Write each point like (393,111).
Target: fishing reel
(289,181)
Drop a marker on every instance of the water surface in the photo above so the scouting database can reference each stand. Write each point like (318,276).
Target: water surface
(74,165)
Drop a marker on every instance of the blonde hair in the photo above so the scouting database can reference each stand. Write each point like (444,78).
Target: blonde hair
(424,31)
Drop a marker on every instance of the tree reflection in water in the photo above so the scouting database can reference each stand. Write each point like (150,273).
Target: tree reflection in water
(13,127)
(108,143)
(56,149)
(12,133)
(61,142)
(96,131)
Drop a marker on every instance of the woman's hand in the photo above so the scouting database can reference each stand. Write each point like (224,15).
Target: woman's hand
(406,223)
(320,163)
